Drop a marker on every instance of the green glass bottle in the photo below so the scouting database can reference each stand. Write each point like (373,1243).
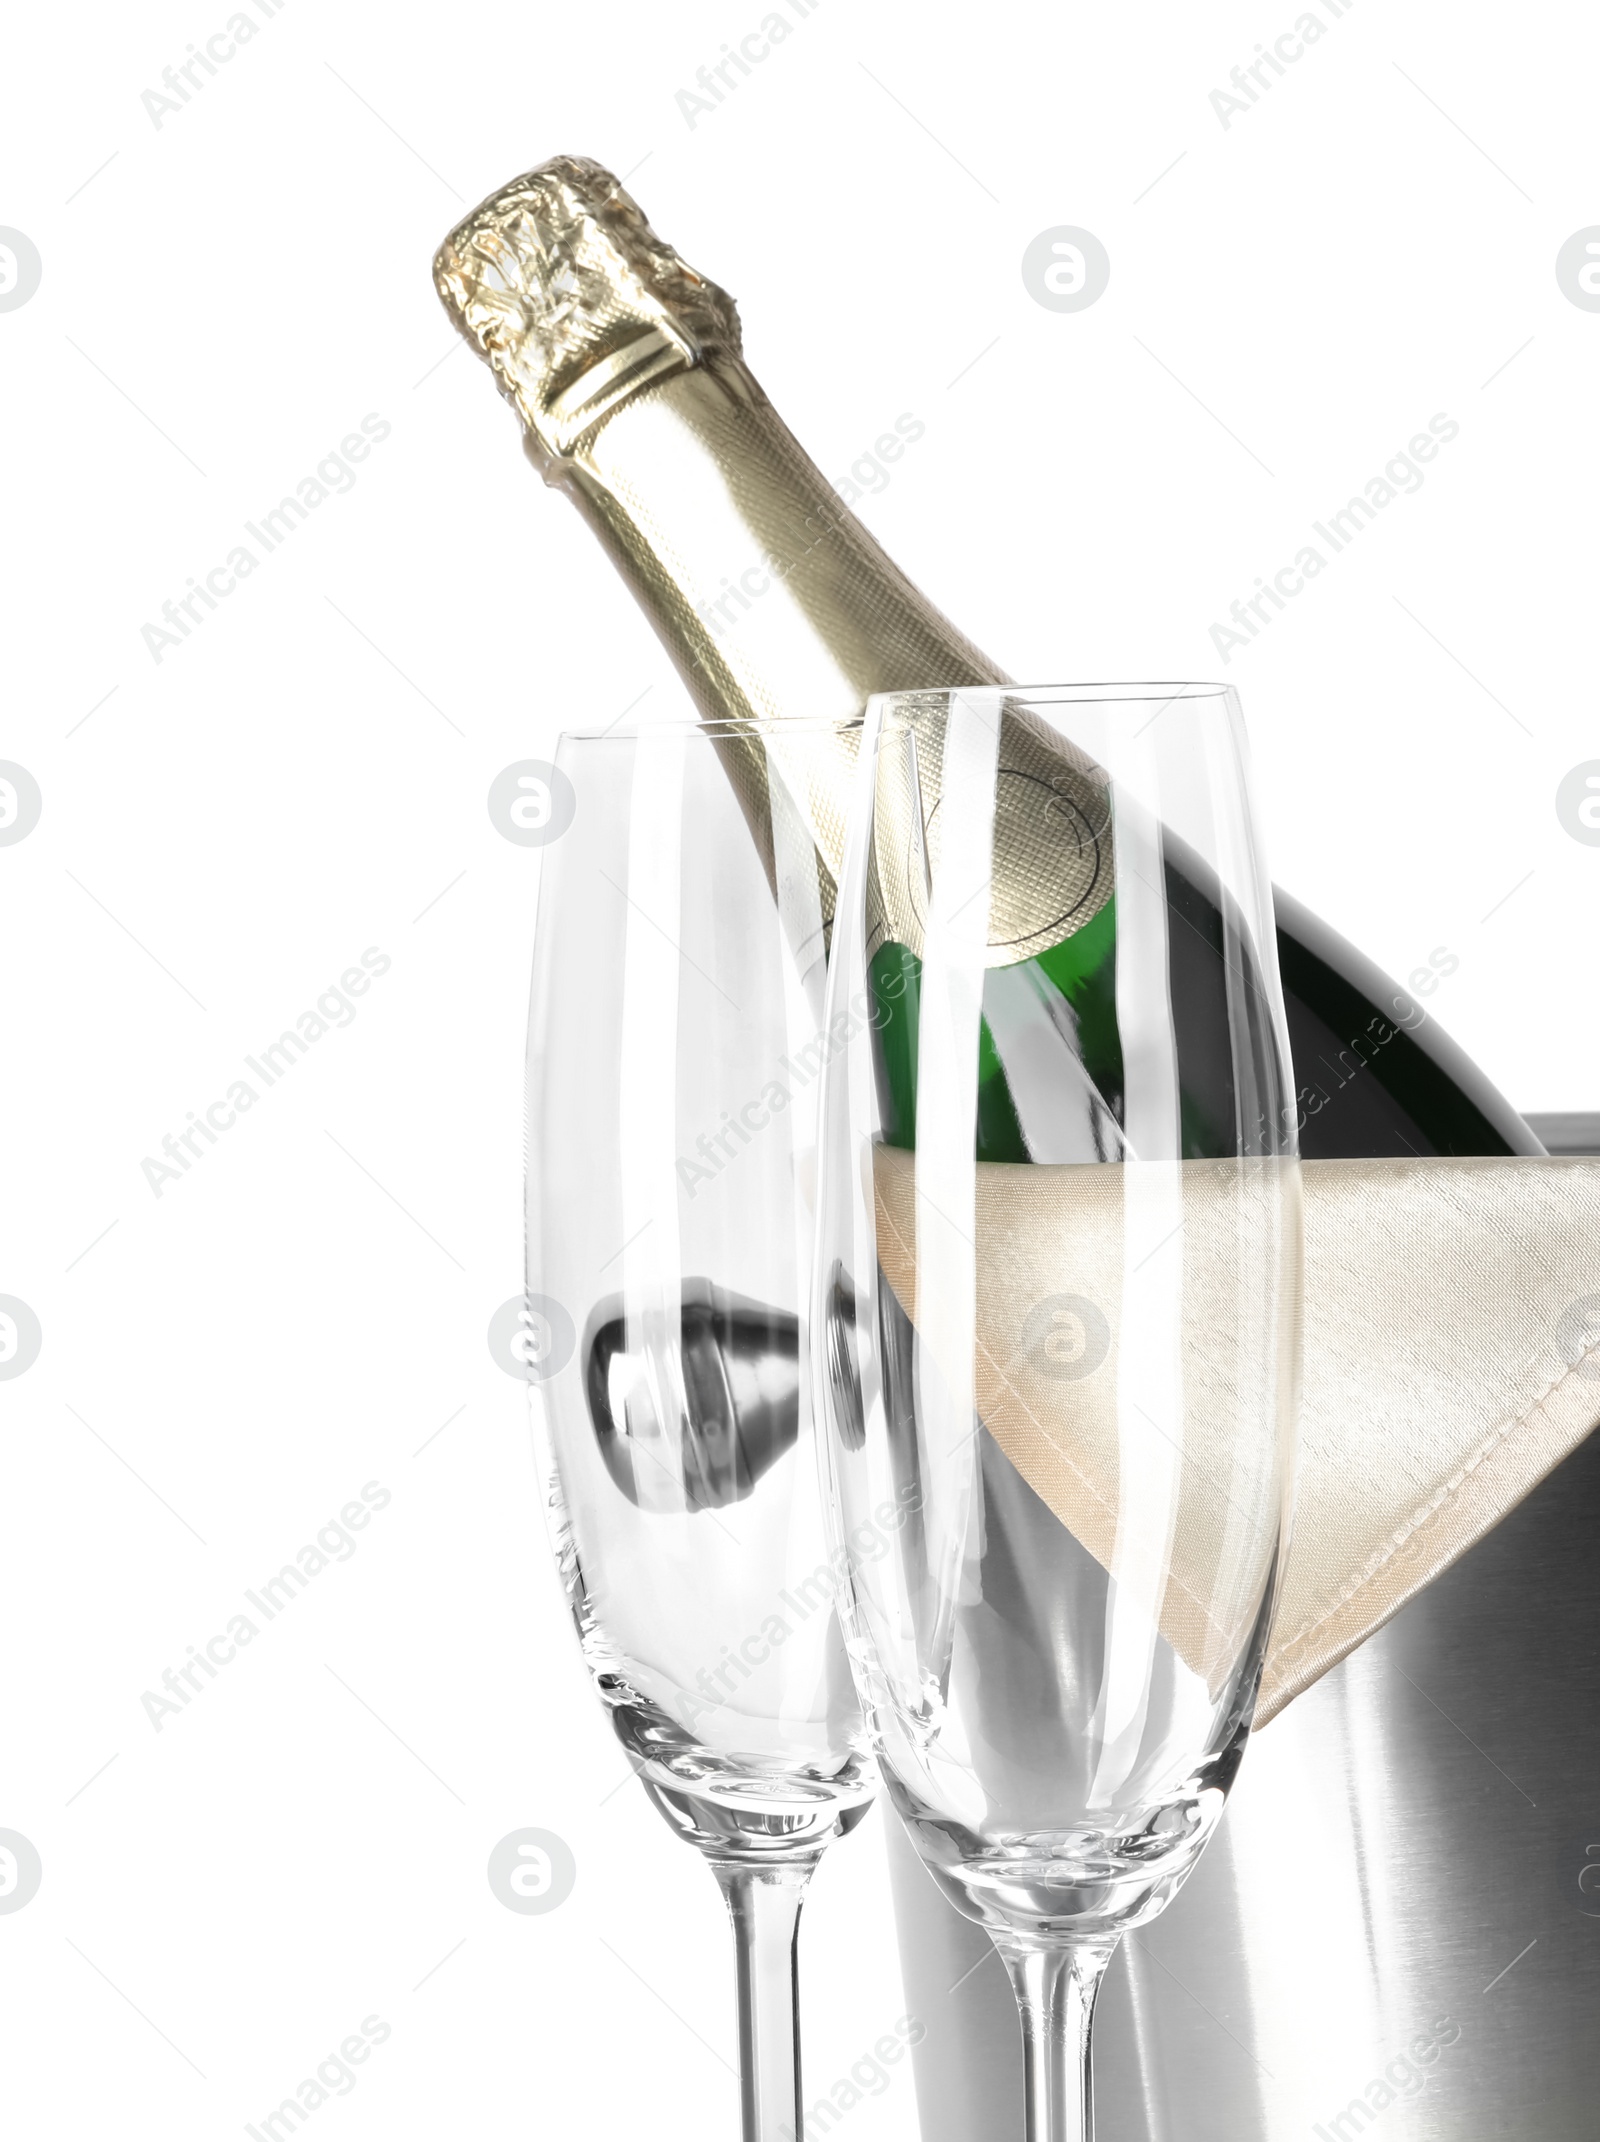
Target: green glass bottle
(626,370)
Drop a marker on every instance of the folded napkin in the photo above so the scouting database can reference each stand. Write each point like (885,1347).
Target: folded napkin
(1451,1360)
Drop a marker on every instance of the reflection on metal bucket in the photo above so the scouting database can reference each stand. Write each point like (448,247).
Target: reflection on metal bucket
(1396,1931)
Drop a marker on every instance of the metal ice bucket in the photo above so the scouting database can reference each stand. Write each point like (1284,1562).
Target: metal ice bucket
(1397,1927)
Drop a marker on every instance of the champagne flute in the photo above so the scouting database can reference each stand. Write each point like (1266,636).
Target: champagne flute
(672,1077)
(1057,1307)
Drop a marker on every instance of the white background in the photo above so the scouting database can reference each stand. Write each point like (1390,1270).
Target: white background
(1291,299)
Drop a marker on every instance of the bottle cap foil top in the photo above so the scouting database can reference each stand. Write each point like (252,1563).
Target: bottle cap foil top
(574,301)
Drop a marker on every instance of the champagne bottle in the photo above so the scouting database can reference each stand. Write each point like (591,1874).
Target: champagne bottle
(626,369)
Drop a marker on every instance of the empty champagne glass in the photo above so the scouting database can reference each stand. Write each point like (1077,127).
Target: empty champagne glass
(1057,1302)
(673,1064)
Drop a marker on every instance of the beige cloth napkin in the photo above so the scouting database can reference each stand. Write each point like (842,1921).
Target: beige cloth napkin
(1451,1360)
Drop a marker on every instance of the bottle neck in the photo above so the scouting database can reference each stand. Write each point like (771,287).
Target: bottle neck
(771,598)
(775,603)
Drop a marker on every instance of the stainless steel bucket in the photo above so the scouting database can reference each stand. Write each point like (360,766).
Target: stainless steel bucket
(1396,1930)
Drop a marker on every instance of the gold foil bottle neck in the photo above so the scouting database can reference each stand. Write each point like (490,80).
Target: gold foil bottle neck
(773,600)
(574,301)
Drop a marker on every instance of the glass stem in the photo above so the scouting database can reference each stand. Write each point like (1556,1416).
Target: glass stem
(1056,1989)
(764,1904)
